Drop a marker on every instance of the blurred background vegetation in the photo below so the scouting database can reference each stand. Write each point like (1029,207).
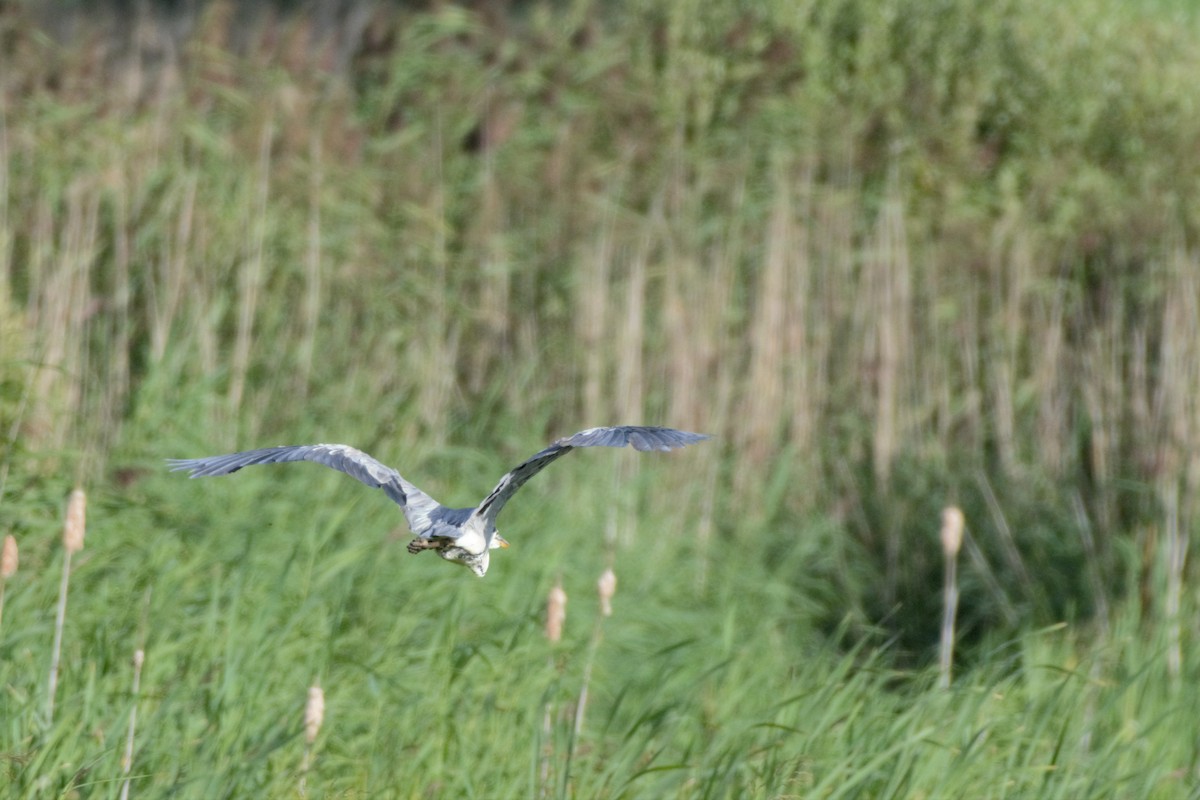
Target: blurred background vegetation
(893,254)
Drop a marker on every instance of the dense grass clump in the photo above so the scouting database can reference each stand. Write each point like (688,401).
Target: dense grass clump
(896,256)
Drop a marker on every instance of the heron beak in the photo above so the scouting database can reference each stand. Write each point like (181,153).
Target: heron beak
(500,540)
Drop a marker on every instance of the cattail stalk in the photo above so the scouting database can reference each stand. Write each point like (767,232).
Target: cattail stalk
(139,656)
(314,715)
(73,532)
(556,612)
(952,536)
(556,616)
(606,587)
(8,567)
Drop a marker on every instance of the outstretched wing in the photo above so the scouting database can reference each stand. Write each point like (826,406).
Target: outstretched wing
(640,437)
(419,508)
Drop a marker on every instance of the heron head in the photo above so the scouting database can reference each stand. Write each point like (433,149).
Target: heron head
(477,563)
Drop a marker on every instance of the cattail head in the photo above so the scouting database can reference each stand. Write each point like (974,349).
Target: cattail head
(74,529)
(952,531)
(556,612)
(139,658)
(607,587)
(8,558)
(314,713)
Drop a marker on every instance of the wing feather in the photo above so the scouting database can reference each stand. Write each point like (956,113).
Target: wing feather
(642,438)
(419,508)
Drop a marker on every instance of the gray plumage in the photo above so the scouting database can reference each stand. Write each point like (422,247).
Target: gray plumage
(462,535)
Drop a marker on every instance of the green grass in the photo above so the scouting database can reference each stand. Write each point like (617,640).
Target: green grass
(245,591)
(894,254)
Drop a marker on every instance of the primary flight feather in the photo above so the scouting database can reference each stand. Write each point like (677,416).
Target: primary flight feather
(462,535)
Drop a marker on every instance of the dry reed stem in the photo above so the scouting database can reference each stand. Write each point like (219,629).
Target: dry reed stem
(630,354)
(892,297)
(985,571)
(436,382)
(139,657)
(73,532)
(806,349)
(547,751)
(630,387)
(684,343)
(606,587)
(720,358)
(951,536)
(1054,415)
(1142,418)
(1180,423)
(1012,260)
(6,263)
(1008,541)
(723,354)
(1104,390)
(1002,414)
(312,265)
(1102,613)
(1175,542)
(119,371)
(763,398)
(556,615)
(591,317)
(166,287)
(495,281)
(1099,595)
(60,262)
(891,334)
(251,276)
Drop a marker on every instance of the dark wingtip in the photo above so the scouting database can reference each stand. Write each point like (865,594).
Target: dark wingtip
(192,466)
(663,440)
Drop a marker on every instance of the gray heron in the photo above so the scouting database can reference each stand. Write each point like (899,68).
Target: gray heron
(462,535)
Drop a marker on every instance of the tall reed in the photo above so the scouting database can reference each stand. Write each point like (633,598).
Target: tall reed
(73,532)
(251,276)
(606,587)
(8,567)
(139,657)
(556,617)
(314,717)
(767,251)
(951,536)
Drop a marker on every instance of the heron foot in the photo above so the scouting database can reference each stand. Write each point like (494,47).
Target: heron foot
(418,545)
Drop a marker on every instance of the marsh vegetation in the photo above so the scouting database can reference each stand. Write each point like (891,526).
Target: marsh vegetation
(895,255)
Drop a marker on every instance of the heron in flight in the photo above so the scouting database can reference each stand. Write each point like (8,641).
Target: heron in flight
(462,535)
